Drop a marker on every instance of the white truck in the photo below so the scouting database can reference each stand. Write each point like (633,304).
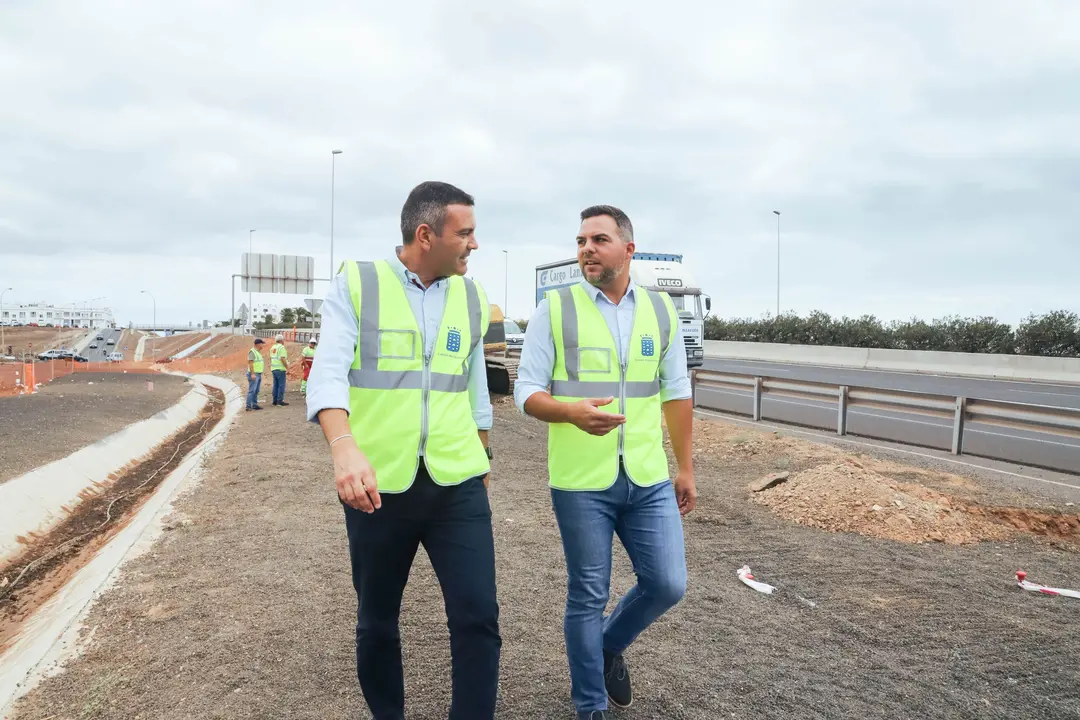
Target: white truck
(655,271)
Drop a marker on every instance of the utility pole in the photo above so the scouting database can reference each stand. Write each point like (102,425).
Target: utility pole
(777,212)
(333,158)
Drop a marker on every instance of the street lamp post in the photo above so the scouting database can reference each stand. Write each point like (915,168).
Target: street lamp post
(154,321)
(333,160)
(248,273)
(506,282)
(2,315)
(90,310)
(777,213)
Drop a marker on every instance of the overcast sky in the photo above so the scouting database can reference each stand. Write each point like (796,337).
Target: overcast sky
(926,160)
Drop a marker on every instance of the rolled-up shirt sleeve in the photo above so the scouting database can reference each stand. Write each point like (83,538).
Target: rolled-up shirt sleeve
(674,375)
(479,397)
(328,383)
(537,356)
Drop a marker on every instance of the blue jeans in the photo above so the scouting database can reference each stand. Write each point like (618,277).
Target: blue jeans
(648,523)
(253,389)
(279,386)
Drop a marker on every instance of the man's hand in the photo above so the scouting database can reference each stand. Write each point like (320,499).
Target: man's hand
(355,478)
(685,492)
(587,416)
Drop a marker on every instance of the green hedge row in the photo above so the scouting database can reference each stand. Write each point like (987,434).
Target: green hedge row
(1055,334)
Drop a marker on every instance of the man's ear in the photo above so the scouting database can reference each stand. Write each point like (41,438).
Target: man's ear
(425,235)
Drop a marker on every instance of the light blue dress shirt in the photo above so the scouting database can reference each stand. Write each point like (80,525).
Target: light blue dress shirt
(538,352)
(328,383)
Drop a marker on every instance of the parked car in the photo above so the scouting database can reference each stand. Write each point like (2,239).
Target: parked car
(514,336)
(80,358)
(116,357)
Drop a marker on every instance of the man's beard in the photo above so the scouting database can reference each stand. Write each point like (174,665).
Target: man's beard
(606,277)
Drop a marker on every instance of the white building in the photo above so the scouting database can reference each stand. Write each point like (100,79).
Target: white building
(264,309)
(48,315)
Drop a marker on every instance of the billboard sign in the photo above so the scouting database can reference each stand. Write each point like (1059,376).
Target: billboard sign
(268,273)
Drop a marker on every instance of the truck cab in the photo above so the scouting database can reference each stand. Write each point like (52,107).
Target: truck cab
(666,272)
(655,271)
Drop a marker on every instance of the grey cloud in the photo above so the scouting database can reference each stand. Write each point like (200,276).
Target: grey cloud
(924,156)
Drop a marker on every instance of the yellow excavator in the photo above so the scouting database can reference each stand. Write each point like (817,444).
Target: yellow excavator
(501,367)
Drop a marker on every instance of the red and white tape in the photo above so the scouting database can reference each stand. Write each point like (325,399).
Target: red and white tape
(1033,587)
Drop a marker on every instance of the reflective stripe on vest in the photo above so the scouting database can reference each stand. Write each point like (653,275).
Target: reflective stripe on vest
(403,402)
(587,365)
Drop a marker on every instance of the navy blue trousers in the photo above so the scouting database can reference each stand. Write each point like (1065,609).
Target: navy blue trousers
(454,526)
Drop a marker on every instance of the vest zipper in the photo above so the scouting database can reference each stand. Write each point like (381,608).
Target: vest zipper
(622,403)
(425,392)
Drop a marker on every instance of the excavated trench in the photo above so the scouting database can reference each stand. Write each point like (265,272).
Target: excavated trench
(49,560)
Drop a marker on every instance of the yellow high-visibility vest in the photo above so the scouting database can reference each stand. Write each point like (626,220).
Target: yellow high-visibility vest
(277,354)
(256,359)
(403,403)
(587,365)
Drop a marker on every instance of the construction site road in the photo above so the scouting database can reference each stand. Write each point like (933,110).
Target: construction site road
(245,608)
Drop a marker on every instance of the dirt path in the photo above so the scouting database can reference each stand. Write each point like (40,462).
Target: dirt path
(72,412)
(245,610)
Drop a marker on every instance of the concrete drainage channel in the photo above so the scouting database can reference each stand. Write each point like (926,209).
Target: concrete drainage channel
(67,527)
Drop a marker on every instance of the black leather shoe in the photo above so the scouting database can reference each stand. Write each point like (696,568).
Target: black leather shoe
(617,680)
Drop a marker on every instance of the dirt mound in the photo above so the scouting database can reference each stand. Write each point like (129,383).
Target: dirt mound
(845,496)
(737,443)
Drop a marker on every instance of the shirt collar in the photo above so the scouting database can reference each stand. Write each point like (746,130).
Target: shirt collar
(595,292)
(407,276)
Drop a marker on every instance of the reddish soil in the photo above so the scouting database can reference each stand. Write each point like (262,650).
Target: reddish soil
(37,340)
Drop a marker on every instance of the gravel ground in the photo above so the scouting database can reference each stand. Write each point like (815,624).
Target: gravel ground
(245,609)
(70,413)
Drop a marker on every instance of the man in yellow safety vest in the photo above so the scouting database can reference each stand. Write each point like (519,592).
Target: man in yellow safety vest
(400,391)
(306,360)
(279,367)
(601,362)
(254,375)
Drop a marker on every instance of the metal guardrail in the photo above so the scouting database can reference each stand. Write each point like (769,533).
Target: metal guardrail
(1045,436)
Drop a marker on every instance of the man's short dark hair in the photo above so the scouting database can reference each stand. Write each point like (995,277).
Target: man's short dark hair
(622,220)
(426,205)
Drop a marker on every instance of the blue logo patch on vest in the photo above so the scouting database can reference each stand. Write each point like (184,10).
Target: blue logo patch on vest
(453,340)
(648,348)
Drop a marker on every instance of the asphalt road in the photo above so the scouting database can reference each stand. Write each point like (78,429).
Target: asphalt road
(1054,450)
(101,352)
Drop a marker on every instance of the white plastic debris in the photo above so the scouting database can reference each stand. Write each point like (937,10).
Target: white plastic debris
(748,578)
(1034,587)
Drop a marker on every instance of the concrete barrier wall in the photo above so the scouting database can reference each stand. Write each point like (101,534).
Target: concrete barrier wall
(189,350)
(1008,367)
